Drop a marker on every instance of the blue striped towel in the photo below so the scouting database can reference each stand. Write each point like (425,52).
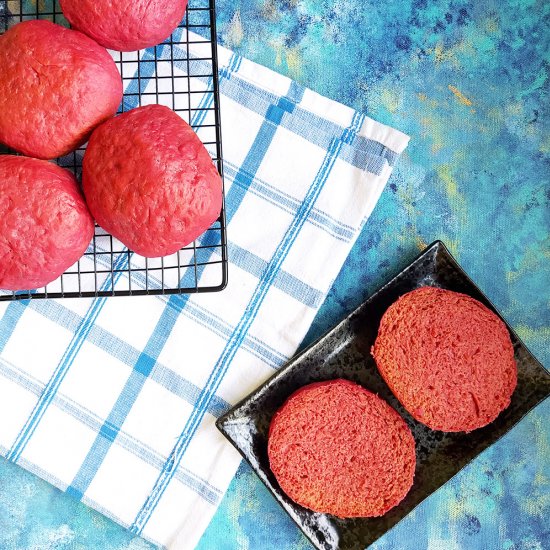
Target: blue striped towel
(114,400)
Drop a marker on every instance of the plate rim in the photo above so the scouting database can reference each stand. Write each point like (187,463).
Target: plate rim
(231,417)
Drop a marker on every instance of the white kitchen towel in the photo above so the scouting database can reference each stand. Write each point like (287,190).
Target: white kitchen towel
(114,399)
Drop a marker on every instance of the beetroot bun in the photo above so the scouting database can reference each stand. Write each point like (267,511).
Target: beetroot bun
(125,25)
(45,226)
(339,449)
(56,86)
(150,182)
(447,358)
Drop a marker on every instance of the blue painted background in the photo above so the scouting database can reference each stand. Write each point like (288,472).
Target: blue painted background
(469,82)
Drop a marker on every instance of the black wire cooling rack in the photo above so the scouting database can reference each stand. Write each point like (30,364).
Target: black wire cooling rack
(181,73)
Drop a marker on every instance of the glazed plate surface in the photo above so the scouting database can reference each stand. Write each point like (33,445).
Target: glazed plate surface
(344,352)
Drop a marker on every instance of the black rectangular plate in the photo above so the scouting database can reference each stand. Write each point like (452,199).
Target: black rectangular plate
(344,352)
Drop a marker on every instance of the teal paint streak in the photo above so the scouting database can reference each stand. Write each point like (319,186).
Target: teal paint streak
(476,176)
(477,179)
(34,515)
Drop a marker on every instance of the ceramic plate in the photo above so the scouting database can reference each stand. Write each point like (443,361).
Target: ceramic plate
(344,352)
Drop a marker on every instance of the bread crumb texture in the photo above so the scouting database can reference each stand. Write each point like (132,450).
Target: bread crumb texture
(337,448)
(447,358)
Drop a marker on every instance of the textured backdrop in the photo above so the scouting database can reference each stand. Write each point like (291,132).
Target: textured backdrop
(469,82)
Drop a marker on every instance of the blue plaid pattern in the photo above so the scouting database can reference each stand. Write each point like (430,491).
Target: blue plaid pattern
(117,403)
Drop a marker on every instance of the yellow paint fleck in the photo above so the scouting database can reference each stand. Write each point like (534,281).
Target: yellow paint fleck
(514,108)
(530,334)
(407,195)
(451,185)
(269,10)
(440,54)
(541,479)
(453,246)
(495,115)
(33,4)
(536,502)
(434,131)
(451,55)
(421,243)
(391,99)
(294,62)
(456,200)
(534,259)
(459,157)
(272,11)
(492,25)
(235,32)
(278,48)
(456,509)
(545,145)
(431,103)
(291,57)
(14,6)
(542,440)
(460,96)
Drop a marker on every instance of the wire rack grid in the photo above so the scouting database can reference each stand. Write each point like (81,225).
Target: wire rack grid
(181,73)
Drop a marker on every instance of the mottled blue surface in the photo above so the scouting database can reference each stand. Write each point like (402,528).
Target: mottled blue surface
(469,82)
